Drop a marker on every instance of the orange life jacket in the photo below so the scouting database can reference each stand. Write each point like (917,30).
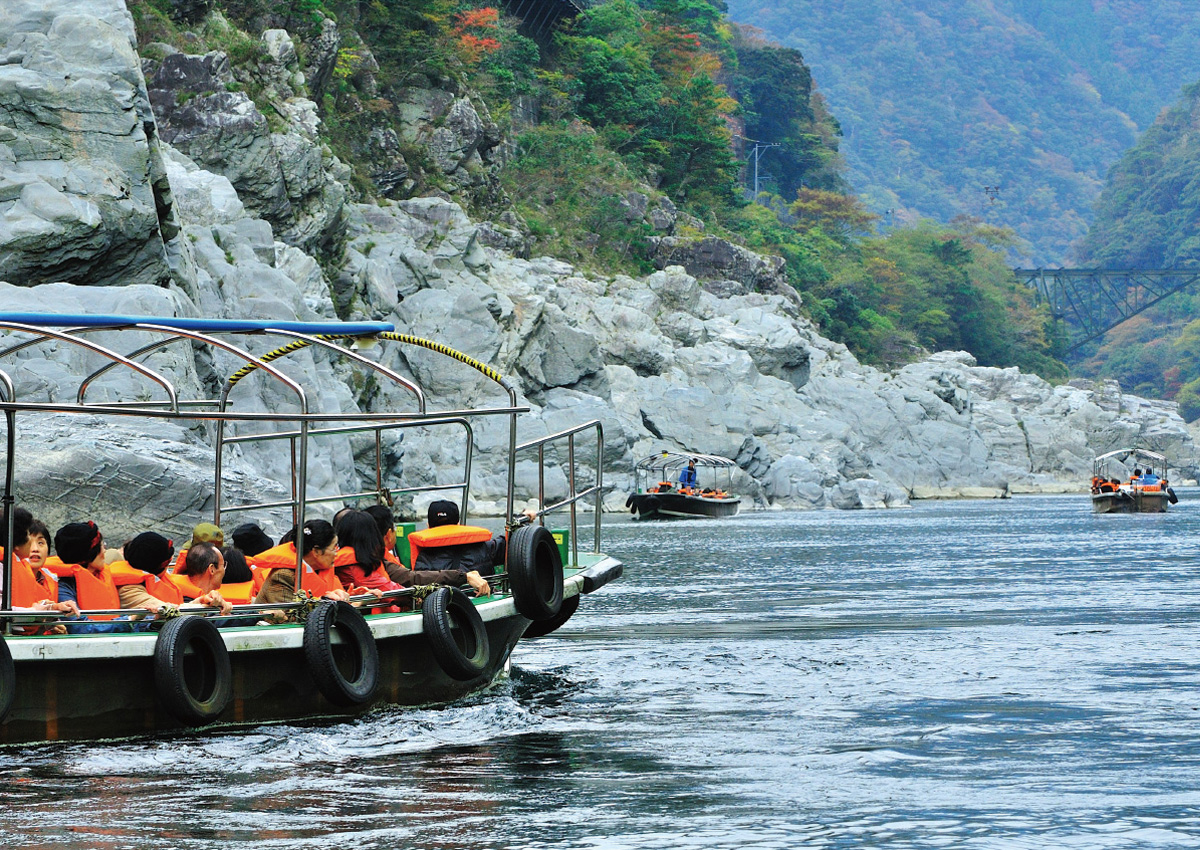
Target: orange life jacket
(445,535)
(30,586)
(159,586)
(283,557)
(238,593)
(92,593)
(185,587)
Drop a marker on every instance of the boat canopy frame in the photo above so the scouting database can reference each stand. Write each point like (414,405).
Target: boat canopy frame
(344,340)
(1121,455)
(668,463)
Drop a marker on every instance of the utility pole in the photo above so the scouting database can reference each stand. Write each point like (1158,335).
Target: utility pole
(757,152)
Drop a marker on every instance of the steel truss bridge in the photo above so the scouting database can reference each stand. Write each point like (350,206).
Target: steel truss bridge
(539,17)
(1093,301)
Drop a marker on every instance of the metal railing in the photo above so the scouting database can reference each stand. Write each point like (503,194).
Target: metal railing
(571,501)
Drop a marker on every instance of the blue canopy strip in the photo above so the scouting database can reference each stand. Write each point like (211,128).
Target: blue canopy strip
(63,320)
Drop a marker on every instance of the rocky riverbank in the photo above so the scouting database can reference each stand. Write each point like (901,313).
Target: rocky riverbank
(155,187)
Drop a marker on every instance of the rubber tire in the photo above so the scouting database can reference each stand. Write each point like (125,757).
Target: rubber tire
(318,653)
(535,572)
(1171,497)
(171,678)
(461,652)
(541,628)
(8,679)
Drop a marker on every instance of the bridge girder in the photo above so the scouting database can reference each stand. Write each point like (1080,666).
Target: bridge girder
(1094,301)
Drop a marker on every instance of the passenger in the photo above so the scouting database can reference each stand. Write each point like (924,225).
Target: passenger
(204,532)
(318,548)
(446,545)
(36,548)
(203,572)
(687,476)
(142,578)
(238,585)
(361,562)
(34,587)
(84,577)
(1149,479)
(386,520)
(250,539)
(402,575)
(1137,477)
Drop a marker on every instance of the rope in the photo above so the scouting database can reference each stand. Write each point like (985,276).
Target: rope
(306,603)
(420,591)
(296,345)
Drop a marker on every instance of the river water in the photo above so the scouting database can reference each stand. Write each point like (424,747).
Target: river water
(984,674)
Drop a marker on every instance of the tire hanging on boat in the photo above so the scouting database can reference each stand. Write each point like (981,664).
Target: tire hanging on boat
(1171,497)
(341,688)
(192,674)
(457,636)
(8,679)
(535,571)
(541,628)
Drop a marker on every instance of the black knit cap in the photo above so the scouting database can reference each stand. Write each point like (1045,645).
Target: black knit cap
(442,512)
(149,552)
(251,539)
(78,542)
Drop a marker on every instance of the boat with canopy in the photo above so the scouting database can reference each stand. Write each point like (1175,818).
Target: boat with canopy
(180,669)
(1131,481)
(663,489)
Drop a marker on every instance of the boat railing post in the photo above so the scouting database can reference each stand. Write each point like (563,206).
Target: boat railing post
(11,440)
(572,495)
(301,495)
(541,481)
(599,486)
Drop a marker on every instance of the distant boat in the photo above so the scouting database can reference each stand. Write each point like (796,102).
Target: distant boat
(660,494)
(1131,481)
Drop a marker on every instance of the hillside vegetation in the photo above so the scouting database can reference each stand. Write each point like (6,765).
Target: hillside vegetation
(653,98)
(1007,110)
(1149,217)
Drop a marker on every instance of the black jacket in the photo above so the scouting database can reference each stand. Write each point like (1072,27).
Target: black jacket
(482,557)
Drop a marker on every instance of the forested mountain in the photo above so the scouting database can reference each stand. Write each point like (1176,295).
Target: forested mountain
(1007,110)
(1148,216)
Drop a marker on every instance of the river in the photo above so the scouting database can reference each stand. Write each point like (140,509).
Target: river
(989,674)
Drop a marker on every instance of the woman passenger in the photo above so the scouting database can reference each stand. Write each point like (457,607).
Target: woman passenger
(318,548)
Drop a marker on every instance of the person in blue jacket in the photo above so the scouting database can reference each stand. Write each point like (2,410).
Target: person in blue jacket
(687,476)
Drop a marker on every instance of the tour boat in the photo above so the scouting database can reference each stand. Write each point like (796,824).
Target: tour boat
(188,668)
(1131,481)
(659,492)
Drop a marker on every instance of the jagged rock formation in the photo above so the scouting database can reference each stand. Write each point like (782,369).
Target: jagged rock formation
(197,209)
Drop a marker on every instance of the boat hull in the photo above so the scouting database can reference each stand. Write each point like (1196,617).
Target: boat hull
(1135,502)
(102,686)
(681,506)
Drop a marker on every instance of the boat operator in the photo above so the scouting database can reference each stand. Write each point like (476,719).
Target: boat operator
(687,476)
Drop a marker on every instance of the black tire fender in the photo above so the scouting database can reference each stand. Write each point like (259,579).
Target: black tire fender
(192,674)
(629,501)
(456,634)
(541,628)
(357,648)
(1171,497)
(8,679)
(535,572)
